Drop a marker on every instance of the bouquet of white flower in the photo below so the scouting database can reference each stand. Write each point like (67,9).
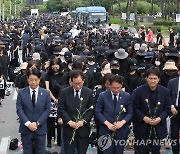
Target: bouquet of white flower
(122,110)
(79,117)
(152,129)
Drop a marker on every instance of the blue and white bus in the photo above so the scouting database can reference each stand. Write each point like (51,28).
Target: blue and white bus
(90,16)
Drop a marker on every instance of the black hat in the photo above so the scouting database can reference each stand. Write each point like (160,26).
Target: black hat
(133,64)
(142,67)
(68,56)
(114,63)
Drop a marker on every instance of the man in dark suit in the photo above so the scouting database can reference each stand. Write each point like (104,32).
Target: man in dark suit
(114,112)
(174,88)
(151,103)
(33,107)
(76,99)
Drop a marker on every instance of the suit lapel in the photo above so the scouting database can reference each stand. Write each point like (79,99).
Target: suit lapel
(176,86)
(119,103)
(110,102)
(29,101)
(71,95)
(39,96)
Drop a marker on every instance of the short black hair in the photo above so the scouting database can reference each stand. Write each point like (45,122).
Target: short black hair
(106,77)
(77,65)
(153,70)
(158,30)
(35,72)
(116,78)
(75,74)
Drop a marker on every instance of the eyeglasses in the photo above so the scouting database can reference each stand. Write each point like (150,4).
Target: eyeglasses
(77,84)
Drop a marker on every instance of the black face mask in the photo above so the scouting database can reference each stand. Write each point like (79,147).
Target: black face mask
(115,71)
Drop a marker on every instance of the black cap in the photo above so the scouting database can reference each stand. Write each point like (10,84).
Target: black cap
(67,54)
(133,64)
(114,63)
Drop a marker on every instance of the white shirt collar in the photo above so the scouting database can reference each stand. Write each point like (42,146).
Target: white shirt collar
(117,96)
(31,90)
(79,93)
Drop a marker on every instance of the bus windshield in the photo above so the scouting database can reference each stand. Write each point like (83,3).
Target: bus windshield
(97,17)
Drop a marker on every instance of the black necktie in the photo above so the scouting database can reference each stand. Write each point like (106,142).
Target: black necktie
(77,97)
(115,100)
(33,98)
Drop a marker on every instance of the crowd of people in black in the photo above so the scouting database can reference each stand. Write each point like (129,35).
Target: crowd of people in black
(56,47)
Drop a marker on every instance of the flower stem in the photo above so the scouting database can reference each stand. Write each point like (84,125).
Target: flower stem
(73,136)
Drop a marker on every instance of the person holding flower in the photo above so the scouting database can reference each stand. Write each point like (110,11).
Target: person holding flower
(114,112)
(174,88)
(76,109)
(151,104)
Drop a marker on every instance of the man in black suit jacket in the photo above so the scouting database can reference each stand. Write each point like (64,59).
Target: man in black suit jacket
(174,88)
(151,103)
(73,99)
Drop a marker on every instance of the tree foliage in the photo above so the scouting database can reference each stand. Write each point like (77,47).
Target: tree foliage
(142,8)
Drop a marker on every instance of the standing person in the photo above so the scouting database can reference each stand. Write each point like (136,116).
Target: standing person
(150,35)
(3,87)
(150,112)
(172,37)
(142,33)
(54,85)
(73,99)
(4,60)
(33,107)
(22,72)
(25,39)
(14,52)
(114,112)
(159,37)
(174,88)
(105,86)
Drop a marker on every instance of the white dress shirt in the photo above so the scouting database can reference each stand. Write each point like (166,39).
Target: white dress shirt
(117,96)
(79,93)
(36,94)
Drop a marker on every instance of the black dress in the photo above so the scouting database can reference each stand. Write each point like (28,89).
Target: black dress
(55,85)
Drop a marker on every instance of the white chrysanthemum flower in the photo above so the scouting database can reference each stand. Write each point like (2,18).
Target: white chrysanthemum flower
(92,107)
(122,106)
(124,109)
(81,99)
(159,103)
(146,100)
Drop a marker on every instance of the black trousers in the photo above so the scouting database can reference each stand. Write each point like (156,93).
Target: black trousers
(175,127)
(146,148)
(24,53)
(51,126)
(81,143)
